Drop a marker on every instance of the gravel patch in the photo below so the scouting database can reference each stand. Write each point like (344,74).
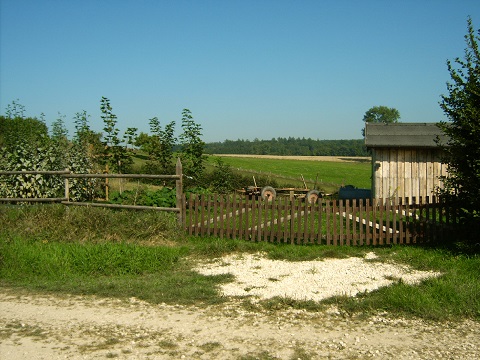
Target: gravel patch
(261,278)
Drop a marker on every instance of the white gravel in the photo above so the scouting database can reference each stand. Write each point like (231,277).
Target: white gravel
(262,278)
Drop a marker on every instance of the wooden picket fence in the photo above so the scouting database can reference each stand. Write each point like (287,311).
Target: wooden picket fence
(327,222)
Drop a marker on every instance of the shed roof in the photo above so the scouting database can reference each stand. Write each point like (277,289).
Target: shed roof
(412,135)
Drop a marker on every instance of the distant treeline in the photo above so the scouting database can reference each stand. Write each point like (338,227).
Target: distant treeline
(290,146)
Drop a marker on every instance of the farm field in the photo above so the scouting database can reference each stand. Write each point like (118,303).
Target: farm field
(328,172)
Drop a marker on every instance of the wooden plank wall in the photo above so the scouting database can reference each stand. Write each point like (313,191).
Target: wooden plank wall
(407,173)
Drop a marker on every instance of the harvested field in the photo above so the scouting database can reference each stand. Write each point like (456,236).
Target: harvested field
(309,158)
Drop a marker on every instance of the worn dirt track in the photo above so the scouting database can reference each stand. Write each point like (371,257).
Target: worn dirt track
(309,158)
(49,327)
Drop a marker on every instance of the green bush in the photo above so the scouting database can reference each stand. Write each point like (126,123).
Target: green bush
(164,197)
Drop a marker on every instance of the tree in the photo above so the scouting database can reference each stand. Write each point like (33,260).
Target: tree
(87,139)
(159,147)
(462,149)
(381,114)
(167,140)
(115,154)
(15,110)
(192,146)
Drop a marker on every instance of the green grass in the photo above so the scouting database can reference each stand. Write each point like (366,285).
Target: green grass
(78,250)
(328,175)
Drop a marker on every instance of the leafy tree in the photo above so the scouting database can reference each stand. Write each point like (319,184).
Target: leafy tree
(222,180)
(167,140)
(381,114)
(15,110)
(130,136)
(86,139)
(462,150)
(192,146)
(115,154)
(15,127)
(158,146)
(60,133)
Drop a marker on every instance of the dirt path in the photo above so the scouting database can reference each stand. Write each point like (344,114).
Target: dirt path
(310,158)
(49,327)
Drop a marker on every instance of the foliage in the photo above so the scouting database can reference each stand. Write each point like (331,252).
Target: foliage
(164,197)
(116,155)
(381,114)
(50,156)
(289,146)
(462,150)
(29,148)
(31,157)
(222,179)
(59,130)
(159,147)
(15,110)
(86,138)
(79,161)
(192,147)
(18,129)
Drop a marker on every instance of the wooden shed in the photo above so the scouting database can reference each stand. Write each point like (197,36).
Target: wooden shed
(406,159)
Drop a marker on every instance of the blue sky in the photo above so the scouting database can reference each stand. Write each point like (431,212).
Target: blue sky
(245,69)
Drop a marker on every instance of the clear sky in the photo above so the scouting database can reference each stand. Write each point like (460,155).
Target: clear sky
(246,69)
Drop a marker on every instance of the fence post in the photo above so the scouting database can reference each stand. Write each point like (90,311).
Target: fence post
(179,192)
(67,188)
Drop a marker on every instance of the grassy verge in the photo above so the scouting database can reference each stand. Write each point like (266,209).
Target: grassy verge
(52,248)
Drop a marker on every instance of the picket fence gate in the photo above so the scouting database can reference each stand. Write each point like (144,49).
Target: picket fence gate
(326,222)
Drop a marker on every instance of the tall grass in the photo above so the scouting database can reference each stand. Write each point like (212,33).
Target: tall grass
(144,254)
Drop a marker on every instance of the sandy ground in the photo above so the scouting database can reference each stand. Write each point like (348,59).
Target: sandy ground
(311,158)
(74,327)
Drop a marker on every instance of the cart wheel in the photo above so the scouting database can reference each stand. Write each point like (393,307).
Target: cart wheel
(268,193)
(313,196)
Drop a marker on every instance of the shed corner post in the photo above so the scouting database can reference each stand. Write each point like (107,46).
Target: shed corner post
(374,169)
(179,192)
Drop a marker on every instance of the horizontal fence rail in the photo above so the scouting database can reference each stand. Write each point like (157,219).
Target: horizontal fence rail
(332,222)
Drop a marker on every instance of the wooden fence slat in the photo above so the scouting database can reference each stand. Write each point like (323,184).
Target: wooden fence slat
(328,213)
(313,214)
(258,225)
(272,220)
(253,231)
(319,238)
(356,220)
(361,215)
(348,211)
(285,220)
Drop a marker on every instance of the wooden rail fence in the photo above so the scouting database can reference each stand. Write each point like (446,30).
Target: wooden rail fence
(66,174)
(294,221)
(332,222)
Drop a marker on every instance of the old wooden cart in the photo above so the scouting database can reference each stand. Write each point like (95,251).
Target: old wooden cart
(269,193)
